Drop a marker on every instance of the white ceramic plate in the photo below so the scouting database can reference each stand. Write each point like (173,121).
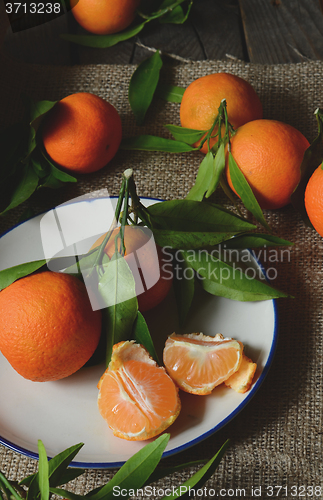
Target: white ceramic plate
(64,413)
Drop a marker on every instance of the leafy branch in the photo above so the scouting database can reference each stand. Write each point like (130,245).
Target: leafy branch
(138,471)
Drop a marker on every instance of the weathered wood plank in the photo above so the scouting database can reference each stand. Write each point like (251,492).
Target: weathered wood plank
(282,31)
(219,28)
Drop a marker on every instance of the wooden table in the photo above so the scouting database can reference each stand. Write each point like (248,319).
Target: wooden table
(259,31)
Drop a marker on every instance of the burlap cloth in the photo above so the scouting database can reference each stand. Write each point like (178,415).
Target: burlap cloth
(277,438)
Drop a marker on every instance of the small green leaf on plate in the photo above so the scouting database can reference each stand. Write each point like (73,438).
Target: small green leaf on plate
(184,240)
(11,274)
(117,289)
(187,135)
(104,41)
(243,189)
(169,93)
(191,215)
(143,84)
(155,143)
(142,335)
(234,281)
(255,240)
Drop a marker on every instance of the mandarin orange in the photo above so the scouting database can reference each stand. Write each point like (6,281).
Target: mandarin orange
(82,133)
(314,199)
(269,153)
(202,98)
(48,329)
(136,397)
(104,17)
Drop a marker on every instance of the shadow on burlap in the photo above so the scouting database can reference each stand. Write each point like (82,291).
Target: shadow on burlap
(277,438)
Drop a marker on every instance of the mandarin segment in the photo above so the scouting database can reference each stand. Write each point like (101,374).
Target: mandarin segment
(241,380)
(48,329)
(136,397)
(198,363)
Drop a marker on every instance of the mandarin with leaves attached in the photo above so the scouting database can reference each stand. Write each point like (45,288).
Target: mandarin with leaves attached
(269,153)
(153,275)
(202,98)
(48,329)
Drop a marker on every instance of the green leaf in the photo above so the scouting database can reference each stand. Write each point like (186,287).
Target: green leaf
(142,336)
(169,93)
(243,189)
(176,15)
(43,480)
(190,215)
(104,41)
(255,240)
(38,110)
(218,169)
(55,177)
(25,188)
(66,494)
(187,135)
(135,472)
(162,472)
(203,178)
(233,282)
(185,240)
(11,274)
(184,286)
(155,143)
(200,477)
(117,289)
(313,157)
(58,473)
(10,492)
(143,84)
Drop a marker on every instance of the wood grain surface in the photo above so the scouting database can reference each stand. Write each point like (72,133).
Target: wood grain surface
(260,31)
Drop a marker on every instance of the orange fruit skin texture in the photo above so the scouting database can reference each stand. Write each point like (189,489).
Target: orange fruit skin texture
(314,200)
(136,397)
(269,153)
(82,133)
(48,329)
(104,17)
(198,363)
(202,98)
(135,238)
